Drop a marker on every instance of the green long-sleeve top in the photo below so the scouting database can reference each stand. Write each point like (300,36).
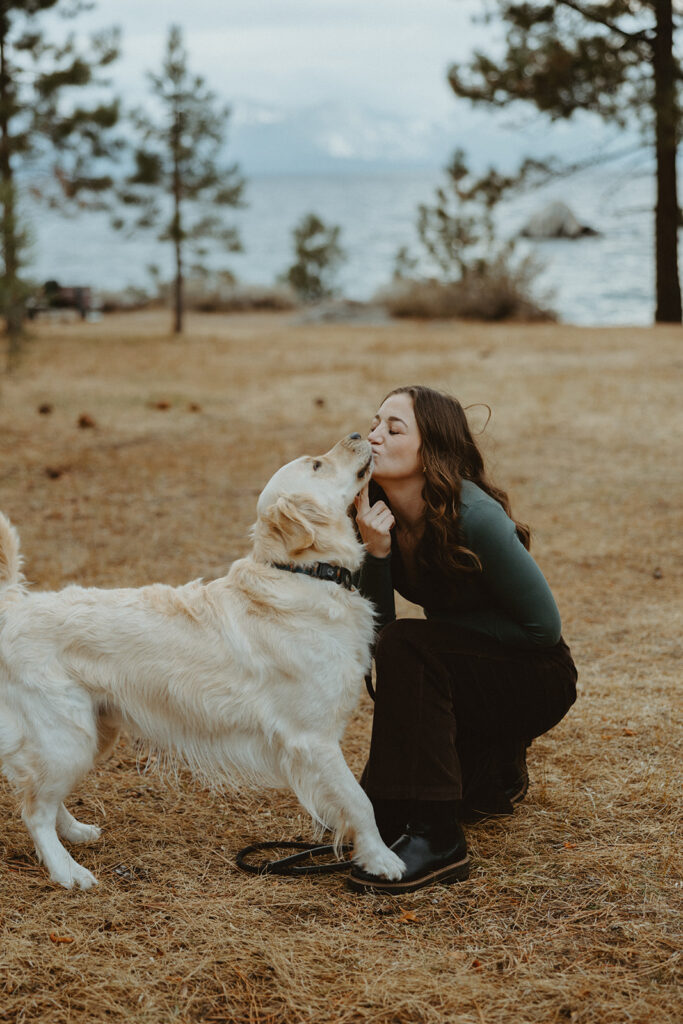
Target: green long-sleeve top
(509,599)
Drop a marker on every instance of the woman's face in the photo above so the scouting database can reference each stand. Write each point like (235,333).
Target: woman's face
(396,440)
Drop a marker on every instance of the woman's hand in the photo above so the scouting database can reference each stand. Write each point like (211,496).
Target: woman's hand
(375,523)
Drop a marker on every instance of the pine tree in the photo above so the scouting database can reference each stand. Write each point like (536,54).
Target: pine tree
(458,231)
(38,122)
(478,274)
(318,255)
(180,183)
(614,58)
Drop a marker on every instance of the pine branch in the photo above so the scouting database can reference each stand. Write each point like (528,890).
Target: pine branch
(590,14)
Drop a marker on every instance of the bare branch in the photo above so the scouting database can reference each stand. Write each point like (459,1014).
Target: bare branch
(590,14)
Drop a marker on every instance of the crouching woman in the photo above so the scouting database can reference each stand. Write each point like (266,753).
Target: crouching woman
(461,693)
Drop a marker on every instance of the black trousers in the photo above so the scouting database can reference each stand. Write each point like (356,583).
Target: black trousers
(450,703)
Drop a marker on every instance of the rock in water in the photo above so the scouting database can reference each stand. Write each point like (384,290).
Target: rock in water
(555,220)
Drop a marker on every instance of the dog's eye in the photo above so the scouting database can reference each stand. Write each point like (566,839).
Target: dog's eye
(316,465)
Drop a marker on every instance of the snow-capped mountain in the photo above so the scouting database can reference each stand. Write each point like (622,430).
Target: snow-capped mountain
(330,137)
(342,138)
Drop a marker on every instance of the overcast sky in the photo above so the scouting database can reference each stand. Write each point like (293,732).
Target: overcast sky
(389,55)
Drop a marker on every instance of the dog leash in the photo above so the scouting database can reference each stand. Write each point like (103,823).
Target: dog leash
(294,864)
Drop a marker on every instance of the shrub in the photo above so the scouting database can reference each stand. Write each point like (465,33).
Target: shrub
(204,293)
(478,275)
(318,256)
(497,291)
(206,296)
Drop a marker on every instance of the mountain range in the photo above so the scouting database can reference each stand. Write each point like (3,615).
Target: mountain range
(341,138)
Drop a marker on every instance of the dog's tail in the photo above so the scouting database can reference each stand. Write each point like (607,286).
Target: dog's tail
(10,556)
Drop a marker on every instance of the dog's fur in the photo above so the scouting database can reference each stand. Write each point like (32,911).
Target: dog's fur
(251,677)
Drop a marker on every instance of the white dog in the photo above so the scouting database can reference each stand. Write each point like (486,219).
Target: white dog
(251,677)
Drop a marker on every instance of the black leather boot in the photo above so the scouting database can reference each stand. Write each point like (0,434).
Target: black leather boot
(513,771)
(392,817)
(433,849)
(494,792)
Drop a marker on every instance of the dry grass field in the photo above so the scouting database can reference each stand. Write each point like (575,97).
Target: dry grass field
(573,909)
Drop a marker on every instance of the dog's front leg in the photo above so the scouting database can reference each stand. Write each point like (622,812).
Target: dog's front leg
(325,785)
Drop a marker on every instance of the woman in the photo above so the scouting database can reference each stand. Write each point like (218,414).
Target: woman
(460,694)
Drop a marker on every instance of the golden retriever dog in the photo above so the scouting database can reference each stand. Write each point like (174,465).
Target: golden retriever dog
(248,678)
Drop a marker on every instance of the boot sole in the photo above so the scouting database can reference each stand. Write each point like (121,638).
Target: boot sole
(447,875)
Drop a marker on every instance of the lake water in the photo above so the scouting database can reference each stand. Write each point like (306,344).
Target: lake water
(603,280)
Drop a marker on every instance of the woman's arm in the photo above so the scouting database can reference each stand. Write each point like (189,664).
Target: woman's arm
(375,523)
(376,584)
(524,611)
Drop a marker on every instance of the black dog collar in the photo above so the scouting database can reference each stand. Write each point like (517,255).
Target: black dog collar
(321,571)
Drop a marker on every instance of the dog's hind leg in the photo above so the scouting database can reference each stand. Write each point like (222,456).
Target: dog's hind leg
(43,811)
(325,785)
(51,761)
(68,827)
(75,831)
(40,818)
(108,729)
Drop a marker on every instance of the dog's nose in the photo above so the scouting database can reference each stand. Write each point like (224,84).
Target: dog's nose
(354,437)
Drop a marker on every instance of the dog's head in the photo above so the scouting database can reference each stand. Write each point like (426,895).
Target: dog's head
(303,511)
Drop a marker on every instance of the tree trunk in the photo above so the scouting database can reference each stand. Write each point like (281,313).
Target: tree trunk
(668,309)
(11,291)
(178,289)
(177,227)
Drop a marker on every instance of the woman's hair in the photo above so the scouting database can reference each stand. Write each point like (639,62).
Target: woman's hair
(449,456)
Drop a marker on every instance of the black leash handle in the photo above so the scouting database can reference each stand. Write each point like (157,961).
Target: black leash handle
(292,865)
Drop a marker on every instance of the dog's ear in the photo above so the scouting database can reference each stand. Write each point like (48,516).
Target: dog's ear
(294,520)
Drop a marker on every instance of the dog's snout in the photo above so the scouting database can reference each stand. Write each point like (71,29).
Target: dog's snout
(358,449)
(351,441)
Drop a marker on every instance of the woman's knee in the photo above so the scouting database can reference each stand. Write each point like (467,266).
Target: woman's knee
(397,636)
(407,669)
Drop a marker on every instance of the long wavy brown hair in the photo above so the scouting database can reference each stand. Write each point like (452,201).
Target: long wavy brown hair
(449,456)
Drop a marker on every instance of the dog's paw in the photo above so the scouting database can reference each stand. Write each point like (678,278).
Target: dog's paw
(384,863)
(74,877)
(78,832)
